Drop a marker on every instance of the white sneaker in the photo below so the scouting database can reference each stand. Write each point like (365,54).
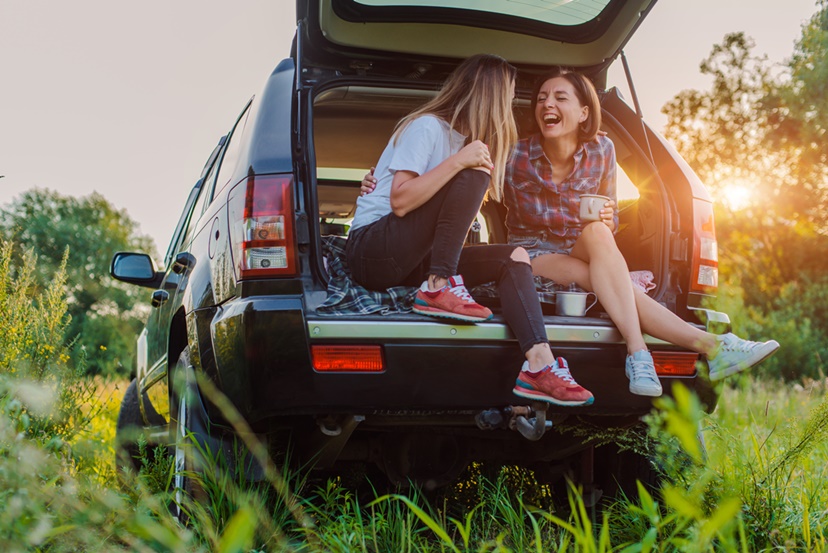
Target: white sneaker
(735,355)
(640,370)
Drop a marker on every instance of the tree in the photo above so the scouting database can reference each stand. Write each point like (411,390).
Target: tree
(106,315)
(732,135)
(804,99)
(724,132)
(765,127)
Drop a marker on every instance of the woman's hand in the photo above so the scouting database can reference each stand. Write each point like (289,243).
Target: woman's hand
(607,214)
(475,155)
(369,182)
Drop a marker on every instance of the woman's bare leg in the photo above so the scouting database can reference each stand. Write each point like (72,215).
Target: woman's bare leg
(610,278)
(656,320)
(661,323)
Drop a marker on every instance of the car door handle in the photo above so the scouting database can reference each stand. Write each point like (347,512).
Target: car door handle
(160,297)
(184,263)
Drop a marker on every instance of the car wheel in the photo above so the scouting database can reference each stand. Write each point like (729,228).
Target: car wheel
(128,428)
(187,463)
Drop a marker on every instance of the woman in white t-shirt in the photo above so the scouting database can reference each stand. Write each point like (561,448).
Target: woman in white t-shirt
(430,183)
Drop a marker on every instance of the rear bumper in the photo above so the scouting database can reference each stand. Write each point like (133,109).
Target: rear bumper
(262,362)
(470,367)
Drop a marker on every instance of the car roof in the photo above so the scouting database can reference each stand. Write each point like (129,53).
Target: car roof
(583,34)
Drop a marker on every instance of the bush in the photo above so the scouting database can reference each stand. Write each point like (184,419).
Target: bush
(55,472)
(45,395)
(796,319)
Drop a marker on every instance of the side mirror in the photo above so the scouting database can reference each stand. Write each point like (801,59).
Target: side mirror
(135,268)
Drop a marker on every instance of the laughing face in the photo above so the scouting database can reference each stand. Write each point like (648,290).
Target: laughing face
(558,112)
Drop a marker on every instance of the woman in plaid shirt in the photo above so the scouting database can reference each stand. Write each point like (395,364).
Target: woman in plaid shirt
(545,178)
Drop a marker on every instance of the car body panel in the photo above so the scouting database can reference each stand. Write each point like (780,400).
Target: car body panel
(269,148)
(261,353)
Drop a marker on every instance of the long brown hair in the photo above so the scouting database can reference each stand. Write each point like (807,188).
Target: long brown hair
(585,91)
(475,101)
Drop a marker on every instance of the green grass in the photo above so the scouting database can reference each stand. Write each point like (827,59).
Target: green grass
(760,487)
(758,483)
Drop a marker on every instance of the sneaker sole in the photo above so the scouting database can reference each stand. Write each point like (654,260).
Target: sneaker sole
(448,315)
(649,392)
(747,364)
(540,396)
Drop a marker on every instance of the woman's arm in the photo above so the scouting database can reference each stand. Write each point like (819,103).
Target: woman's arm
(410,190)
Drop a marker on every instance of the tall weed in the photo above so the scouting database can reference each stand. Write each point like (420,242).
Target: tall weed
(757,482)
(54,480)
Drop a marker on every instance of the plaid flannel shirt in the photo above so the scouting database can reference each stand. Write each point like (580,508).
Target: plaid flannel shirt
(538,206)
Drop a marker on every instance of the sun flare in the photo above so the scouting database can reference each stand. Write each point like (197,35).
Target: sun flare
(736,195)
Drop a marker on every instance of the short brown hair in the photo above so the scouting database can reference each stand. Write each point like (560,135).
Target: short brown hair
(585,91)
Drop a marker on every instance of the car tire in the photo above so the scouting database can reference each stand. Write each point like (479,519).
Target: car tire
(188,466)
(129,426)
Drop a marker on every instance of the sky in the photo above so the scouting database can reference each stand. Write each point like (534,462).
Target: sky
(129,99)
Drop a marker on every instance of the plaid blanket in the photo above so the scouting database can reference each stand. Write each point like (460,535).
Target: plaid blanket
(346,297)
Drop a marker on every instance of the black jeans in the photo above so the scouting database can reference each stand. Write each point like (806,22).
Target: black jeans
(403,251)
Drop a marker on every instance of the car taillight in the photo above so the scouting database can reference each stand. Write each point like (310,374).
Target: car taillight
(347,358)
(675,363)
(705,267)
(261,227)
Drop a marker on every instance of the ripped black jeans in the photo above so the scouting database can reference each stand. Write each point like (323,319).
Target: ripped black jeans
(403,251)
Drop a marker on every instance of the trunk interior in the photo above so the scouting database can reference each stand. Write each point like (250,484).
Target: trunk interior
(351,124)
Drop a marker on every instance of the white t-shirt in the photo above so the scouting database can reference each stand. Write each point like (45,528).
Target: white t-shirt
(425,143)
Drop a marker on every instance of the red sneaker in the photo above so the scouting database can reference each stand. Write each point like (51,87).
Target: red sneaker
(553,384)
(452,301)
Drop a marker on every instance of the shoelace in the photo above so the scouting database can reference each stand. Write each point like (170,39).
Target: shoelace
(744,346)
(639,369)
(562,372)
(462,293)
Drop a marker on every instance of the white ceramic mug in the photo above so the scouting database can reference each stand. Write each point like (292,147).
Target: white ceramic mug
(573,304)
(591,206)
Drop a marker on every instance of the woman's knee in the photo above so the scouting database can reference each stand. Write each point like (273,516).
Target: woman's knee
(521,256)
(599,235)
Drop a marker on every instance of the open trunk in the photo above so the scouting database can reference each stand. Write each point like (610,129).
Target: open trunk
(352,123)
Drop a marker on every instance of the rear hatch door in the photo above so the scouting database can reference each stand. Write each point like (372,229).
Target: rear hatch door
(406,37)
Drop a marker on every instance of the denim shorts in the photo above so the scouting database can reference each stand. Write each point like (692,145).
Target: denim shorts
(544,243)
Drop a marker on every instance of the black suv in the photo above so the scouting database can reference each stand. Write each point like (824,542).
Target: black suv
(411,398)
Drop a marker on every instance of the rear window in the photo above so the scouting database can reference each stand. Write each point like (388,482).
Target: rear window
(560,12)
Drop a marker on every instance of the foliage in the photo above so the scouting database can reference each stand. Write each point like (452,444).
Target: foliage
(765,128)
(105,315)
(757,127)
(759,486)
(725,120)
(47,399)
(53,493)
(775,463)
(801,113)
